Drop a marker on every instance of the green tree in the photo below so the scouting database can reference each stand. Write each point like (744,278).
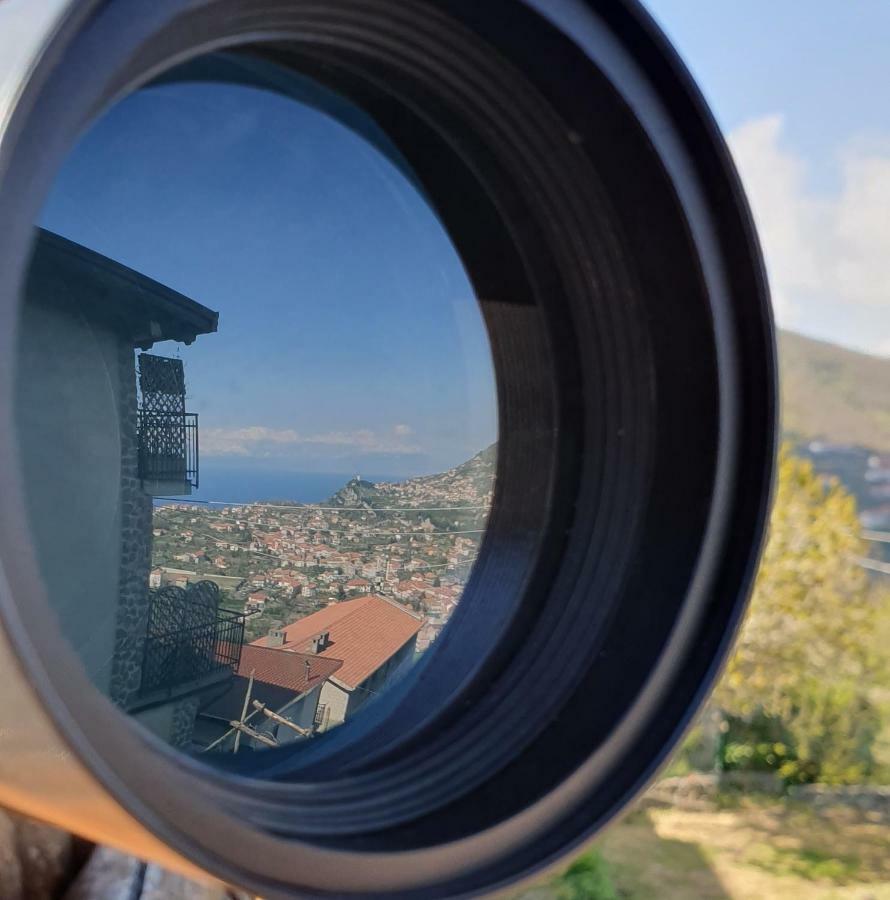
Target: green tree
(806,656)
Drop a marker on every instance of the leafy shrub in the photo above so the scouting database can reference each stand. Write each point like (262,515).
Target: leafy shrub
(587,878)
(834,728)
(826,737)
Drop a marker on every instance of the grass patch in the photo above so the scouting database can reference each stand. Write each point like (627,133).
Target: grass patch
(644,864)
(745,850)
(587,878)
(809,863)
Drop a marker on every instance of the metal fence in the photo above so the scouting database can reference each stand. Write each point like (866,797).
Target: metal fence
(188,639)
(168,447)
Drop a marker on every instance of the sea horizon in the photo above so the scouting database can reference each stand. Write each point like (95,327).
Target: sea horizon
(244,485)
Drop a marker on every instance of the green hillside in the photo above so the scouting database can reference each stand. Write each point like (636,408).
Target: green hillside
(833,394)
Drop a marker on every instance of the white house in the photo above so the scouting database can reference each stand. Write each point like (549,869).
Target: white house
(373,636)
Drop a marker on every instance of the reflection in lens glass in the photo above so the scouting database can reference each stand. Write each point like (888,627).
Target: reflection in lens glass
(255,407)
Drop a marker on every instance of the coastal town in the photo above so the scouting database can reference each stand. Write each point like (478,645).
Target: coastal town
(412,542)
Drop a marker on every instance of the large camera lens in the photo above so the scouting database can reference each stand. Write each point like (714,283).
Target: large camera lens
(388,431)
(238,296)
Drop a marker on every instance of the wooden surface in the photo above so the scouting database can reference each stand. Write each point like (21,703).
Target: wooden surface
(38,862)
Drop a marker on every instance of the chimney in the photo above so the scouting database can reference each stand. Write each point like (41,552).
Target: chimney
(321,641)
(275,638)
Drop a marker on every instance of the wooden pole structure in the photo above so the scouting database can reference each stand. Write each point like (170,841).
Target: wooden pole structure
(250,715)
(256,735)
(244,711)
(275,717)
(229,733)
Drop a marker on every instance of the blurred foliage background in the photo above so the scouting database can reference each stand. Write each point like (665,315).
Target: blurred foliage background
(804,701)
(805,694)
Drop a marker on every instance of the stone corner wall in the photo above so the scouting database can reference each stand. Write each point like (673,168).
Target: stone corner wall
(136,539)
(183,727)
(872,801)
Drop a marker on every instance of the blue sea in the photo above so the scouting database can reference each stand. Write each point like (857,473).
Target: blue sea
(243,485)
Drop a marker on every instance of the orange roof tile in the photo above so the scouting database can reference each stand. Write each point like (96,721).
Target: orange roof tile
(286,669)
(364,633)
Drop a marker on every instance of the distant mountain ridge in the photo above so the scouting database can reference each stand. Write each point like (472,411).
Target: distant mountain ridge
(829,394)
(469,484)
(833,394)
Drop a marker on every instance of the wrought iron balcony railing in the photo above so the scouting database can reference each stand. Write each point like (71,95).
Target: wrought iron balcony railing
(188,638)
(168,447)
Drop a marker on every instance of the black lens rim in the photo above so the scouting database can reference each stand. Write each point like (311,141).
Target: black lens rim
(379,807)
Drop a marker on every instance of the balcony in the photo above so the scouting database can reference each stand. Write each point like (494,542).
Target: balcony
(168,452)
(190,643)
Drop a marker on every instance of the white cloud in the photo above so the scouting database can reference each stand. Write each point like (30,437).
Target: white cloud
(827,254)
(774,180)
(862,231)
(260,441)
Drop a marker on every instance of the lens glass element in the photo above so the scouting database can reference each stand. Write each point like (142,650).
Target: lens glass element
(256,409)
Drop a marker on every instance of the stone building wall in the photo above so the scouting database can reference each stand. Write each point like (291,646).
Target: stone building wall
(136,539)
(183,727)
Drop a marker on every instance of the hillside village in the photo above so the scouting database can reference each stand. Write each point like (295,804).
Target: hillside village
(337,599)
(412,542)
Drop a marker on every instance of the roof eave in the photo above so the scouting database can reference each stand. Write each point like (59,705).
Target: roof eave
(145,310)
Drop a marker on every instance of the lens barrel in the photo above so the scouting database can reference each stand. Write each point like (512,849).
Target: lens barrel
(595,207)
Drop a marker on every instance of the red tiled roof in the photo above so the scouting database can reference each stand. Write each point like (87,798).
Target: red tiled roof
(364,633)
(285,669)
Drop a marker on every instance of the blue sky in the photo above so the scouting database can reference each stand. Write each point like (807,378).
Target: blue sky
(800,89)
(349,339)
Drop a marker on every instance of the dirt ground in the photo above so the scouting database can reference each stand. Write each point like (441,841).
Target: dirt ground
(750,851)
